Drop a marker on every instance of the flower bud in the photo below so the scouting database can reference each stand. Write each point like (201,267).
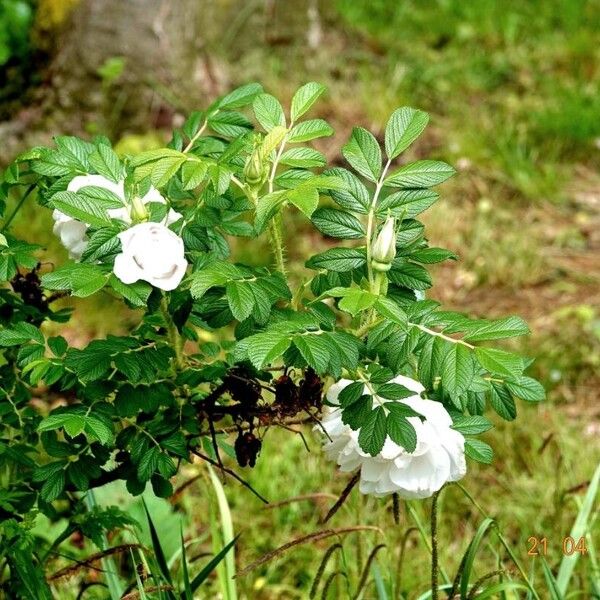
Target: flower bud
(254,171)
(384,248)
(138,211)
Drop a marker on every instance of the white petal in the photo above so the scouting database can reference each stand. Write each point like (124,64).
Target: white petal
(126,269)
(99,181)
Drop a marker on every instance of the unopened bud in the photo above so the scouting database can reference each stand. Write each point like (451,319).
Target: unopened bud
(254,171)
(384,248)
(138,211)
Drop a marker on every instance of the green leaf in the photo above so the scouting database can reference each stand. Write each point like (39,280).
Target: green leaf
(356,301)
(500,362)
(363,153)
(193,174)
(471,425)
(313,350)
(498,329)
(81,207)
(105,162)
(432,255)
(406,204)
(53,486)
(136,294)
(309,130)
(303,157)
(351,393)
(354,195)
(338,259)
(267,206)
(229,124)
(394,391)
(390,310)
(304,199)
(502,402)
(404,127)
(268,111)
(457,370)
(420,174)
(373,432)
(97,429)
(409,275)
(240,299)
(479,451)
(527,388)
(20,333)
(338,223)
(400,430)
(355,414)
(272,140)
(242,96)
(305,97)
(264,348)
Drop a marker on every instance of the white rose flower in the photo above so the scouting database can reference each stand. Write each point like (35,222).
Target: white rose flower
(153,253)
(438,458)
(72,233)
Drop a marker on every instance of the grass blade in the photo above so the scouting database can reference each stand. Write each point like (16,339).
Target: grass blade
(551,582)
(579,530)
(470,555)
(227,567)
(187,590)
(211,565)
(158,551)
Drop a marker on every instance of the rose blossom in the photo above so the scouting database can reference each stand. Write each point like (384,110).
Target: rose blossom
(72,232)
(153,253)
(438,458)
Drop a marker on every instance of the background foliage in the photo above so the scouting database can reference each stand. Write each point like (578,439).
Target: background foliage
(511,90)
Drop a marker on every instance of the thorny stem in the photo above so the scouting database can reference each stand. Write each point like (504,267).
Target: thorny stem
(173,335)
(275,228)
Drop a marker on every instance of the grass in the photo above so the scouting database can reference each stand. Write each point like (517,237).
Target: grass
(512,91)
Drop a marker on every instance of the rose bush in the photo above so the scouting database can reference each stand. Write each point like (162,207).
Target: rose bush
(414,380)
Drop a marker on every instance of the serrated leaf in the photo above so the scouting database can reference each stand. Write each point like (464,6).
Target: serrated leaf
(96,429)
(267,207)
(338,223)
(502,402)
(420,174)
(53,486)
(303,157)
(363,153)
(406,204)
(20,333)
(268,111)
(351,393)
(401,431)
(394,391)
(500,362)
(313,350)
(390,310)
(242,96)
(373,432)
(498,329)
(105,162)
(229,123)
(471,425)
(338,259)
(355,414)
(309,130)
(430,256)
(193,174)
(240,299)
(354,195)
(409,275)
(356,301)
(526,388)
(263,348)
(304,199)
(404,127)
(305,97)
(457,370)
(479,451)
(81,208)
